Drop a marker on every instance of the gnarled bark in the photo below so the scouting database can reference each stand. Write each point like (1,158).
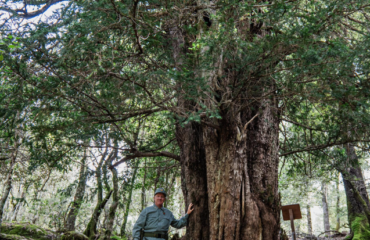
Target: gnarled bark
(194,179)
(241,169)
(230,165)
(242,175)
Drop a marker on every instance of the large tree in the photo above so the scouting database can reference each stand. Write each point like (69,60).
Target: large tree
(223,73)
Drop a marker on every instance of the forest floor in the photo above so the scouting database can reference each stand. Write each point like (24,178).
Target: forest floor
(332,235)
(323,238)
(27,231)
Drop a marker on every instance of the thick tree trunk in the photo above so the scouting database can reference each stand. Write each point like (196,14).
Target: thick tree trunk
(242,174)
(128,203)
(357,197)
(229,166)
(241,170)
(78,198)
(325,207)
(309,219)
(194,179)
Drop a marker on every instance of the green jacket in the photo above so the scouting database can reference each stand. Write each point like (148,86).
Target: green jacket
(154,219)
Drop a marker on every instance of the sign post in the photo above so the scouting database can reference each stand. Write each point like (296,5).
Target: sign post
(291,212)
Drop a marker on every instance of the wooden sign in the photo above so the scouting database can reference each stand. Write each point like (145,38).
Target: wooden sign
(296,211)
(291,212)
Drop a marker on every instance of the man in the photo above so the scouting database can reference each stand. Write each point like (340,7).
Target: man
(154,221)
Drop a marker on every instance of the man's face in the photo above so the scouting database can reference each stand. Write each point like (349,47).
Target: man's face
(159,199)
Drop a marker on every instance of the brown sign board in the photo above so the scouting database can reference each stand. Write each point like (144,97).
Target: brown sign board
(296,211)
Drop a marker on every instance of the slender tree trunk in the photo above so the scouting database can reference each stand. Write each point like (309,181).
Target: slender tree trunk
(7,203)
(168,193)
(169,187)
(143,204)
(78,198)
(337,227)
(309,220)
(159,172)
(325,207)
(37,196)
(9,179)
(128,203)
(113,207)
(298,227)
(18,206)
(90,230)
(6,191)
(357,196)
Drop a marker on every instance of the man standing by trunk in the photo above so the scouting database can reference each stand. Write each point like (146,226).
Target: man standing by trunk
(154,221)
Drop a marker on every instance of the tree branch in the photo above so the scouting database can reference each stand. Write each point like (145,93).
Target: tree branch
(22,12)
(146,154)
(322,146)
(301,125)
(4,158)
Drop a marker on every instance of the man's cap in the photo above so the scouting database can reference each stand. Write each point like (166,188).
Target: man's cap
(160,190)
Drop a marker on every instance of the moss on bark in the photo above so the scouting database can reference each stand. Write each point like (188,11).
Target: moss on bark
(4,236)
(72,235)
(25,231)
(360,227)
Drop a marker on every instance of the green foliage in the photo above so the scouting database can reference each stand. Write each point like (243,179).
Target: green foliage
(360,227)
